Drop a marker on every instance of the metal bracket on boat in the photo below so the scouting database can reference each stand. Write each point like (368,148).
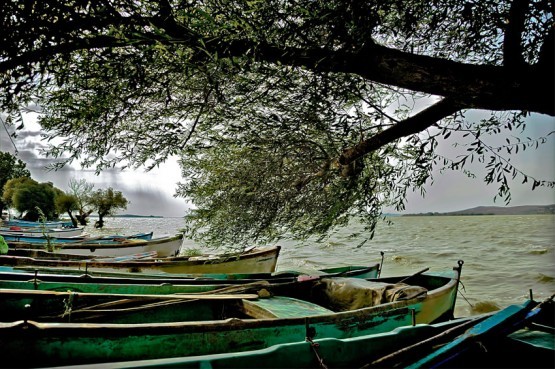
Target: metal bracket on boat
(310,332)
(413,316)
(27,309)
(35,280)
(381,264)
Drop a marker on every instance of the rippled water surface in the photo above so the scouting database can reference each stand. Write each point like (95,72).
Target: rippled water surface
(504,256)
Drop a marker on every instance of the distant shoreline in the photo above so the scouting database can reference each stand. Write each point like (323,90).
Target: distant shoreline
(493,210)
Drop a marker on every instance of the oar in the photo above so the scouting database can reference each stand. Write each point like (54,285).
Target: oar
(413,275)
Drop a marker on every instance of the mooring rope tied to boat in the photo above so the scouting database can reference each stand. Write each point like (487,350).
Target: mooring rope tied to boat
(463,296)
(314,346)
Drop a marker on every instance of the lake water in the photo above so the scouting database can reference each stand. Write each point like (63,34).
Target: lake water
(504,256)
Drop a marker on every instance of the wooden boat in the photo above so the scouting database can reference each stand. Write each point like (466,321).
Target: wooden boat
(41,239)
(27,223)
(165,246)
(14,231)
(309,309)
(493,340)
(43,273)
(355,352)
(62,280)
(184,284)
(382,350)
(254,260)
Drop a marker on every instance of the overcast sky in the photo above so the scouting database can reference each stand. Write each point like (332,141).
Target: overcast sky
(151,193)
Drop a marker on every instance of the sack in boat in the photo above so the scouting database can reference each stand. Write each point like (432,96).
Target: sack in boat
(342,294)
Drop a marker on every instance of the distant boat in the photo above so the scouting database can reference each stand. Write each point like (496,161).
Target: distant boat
(141,327)
(16,231)
(48,224)
(255,260)
(164,246)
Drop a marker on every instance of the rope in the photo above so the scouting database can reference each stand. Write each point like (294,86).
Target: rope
(315,346)
(463,296)
(68,303)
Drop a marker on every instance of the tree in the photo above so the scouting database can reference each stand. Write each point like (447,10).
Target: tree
(10,168)
(107,202)
(288,116)
(82,191)
(12,186)
(66,203)
(28,197)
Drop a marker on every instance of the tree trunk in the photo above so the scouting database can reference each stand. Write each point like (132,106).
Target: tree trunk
(73,220)
(100,222)
(82,217)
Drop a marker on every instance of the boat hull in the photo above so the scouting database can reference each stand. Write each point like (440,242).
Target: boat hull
(16,235)
(163,246)
(75,239)
(160,283)
(49,344)
(255,261)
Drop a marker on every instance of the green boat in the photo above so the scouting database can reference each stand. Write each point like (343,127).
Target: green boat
(136,284)
(532,346)
(319,308)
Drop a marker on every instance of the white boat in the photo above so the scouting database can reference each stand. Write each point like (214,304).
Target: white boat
(164,246)
(252,260)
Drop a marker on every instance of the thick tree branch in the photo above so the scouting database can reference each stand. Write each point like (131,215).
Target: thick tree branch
(512,43)
(409,126)
(475,86)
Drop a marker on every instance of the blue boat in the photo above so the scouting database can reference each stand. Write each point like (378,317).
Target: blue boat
(26,223)
(517,336)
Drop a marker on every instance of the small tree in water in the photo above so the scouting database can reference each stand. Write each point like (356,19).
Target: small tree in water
(106,202)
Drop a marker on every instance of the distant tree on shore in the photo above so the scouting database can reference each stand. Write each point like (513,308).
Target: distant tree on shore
(107,202)
(26,195)
(82,191)
(66,203)
(10,168)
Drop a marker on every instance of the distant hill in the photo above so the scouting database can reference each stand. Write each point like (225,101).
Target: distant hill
(137,216)
(498,210)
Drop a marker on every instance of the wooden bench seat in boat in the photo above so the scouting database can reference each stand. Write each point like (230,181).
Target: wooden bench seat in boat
(281,307)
